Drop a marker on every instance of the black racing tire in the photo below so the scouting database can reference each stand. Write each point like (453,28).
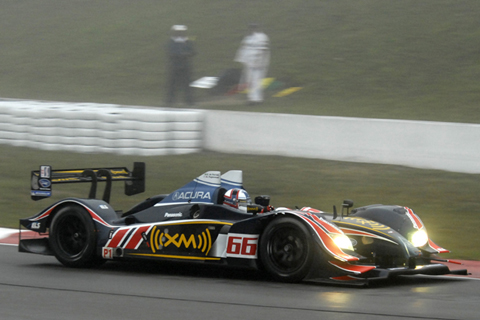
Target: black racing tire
(286,249)
(73,238)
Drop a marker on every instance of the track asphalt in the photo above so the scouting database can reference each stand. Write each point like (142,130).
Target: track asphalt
(11,236)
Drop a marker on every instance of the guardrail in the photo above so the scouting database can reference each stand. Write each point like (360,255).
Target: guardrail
(88,127)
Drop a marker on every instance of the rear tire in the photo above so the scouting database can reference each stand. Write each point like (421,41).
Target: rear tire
(286,249)
(73,237)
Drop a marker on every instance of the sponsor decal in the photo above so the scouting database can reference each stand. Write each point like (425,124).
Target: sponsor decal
(35,225)
(242,245)
(365,236)
(191,195)
(45,172)
(211,175)
(118,172)
(103,206)
(107,253)
(65,179)
(368,223)
(44,183)
(199,243)
(40,193)
(173,215)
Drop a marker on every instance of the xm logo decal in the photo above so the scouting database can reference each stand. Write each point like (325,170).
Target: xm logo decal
(197,243)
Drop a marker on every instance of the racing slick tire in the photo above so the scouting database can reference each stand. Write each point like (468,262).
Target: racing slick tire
(286,249)
(72,238)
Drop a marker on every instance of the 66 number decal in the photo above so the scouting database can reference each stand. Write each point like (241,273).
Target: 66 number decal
(242,245)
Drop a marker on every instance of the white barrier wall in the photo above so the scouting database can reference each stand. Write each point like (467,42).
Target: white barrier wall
(153,131)
(420,144)
(100,128)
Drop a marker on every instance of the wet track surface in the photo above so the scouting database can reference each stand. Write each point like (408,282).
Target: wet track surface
(38,287)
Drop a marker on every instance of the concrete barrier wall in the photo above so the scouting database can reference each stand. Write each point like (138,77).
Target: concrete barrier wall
(153,131)
(420,144)
(100,128)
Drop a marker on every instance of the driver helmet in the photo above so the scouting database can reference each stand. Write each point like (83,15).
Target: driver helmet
(237,198)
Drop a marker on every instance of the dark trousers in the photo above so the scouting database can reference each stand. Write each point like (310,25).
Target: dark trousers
(179,80)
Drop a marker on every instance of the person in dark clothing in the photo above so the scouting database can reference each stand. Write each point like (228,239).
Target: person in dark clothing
(180,51)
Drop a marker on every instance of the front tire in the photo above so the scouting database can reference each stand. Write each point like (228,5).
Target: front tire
(286,249)
(72,237)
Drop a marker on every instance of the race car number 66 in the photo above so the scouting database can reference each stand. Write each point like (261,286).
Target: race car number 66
(242,245)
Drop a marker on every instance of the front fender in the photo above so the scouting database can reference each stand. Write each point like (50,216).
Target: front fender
(401,219)
(323,233)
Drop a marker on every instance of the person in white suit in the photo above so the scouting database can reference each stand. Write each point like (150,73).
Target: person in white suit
(254,54)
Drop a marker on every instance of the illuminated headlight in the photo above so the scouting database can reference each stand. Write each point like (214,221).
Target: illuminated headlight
(419,238)
(342,241)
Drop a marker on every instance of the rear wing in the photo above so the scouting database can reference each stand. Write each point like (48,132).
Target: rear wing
(43,179)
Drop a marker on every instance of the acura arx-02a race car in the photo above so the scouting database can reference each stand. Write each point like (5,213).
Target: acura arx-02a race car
(212,220)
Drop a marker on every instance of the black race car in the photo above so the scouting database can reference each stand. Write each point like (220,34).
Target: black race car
(212,220)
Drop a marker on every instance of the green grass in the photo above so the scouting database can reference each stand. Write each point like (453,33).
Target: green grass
(368,58)
(447,202)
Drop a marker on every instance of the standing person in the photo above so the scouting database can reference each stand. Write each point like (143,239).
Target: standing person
(254,54)
(180,51)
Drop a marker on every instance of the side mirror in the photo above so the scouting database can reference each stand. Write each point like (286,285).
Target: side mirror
(347,204)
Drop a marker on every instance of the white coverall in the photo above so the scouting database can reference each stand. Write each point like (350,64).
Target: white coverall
(254,53)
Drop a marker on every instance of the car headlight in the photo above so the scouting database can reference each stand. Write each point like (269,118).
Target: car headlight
(419,238)
(343,242)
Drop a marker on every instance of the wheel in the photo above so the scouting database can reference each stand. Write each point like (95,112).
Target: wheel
(286,249)
(72,237)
